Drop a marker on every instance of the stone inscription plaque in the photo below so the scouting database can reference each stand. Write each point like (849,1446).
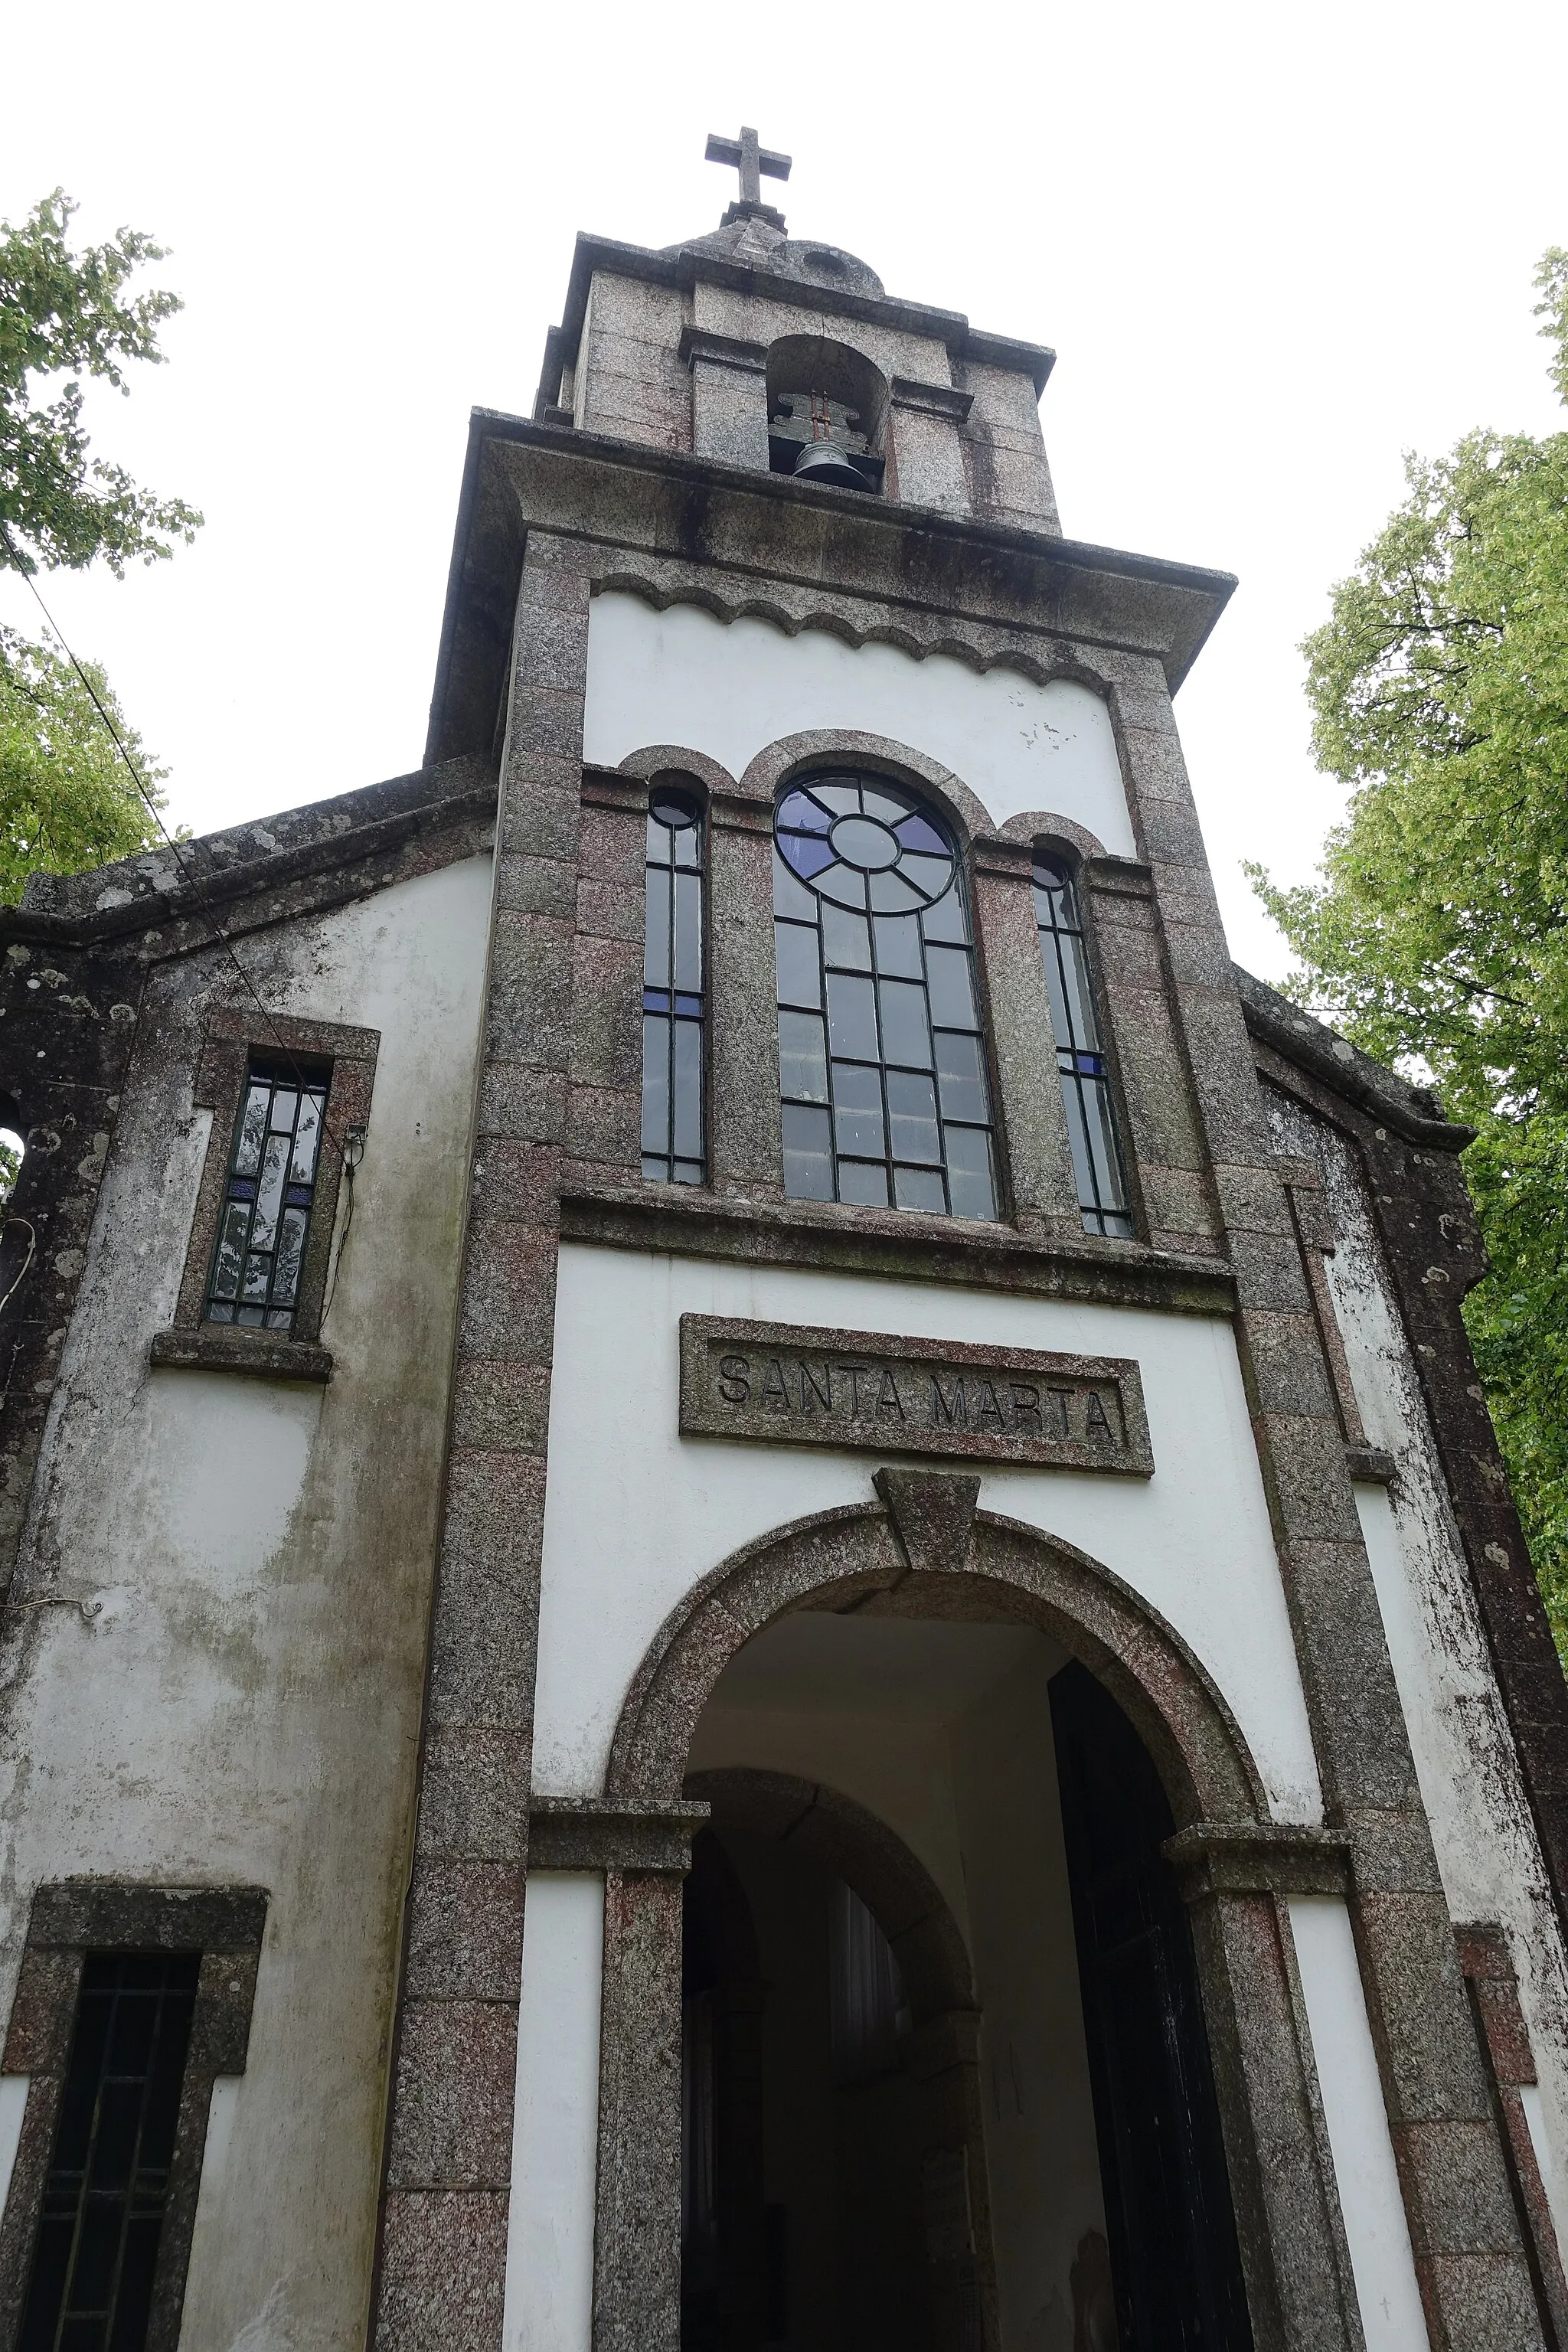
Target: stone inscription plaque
(783,1383)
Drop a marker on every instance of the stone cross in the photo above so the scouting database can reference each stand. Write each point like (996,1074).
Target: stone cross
(744,155)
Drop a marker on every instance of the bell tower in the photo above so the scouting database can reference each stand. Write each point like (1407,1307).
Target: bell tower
(752,347)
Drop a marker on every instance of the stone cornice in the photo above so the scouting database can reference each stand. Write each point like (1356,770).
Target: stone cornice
(901,1246)
(742,541)
(690,265)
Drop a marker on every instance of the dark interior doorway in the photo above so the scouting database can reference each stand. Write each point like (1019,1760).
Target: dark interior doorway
(1174,2256)
(801,2212)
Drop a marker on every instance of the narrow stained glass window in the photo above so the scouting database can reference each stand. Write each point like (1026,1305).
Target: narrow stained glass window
(1097,1158)
(881,1059)
(96,2255)
(673,1149)
(267,1204)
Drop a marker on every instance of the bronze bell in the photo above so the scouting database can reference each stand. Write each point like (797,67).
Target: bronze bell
(826,462)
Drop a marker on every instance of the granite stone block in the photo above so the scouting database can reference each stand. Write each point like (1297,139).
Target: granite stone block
(456,2081)
(465,1932)
(443,2270)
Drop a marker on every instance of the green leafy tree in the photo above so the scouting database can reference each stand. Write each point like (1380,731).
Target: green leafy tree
(1437,936)
(64,317)
(66,799)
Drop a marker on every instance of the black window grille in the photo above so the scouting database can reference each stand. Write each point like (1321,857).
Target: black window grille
(673,1149)
(881,1058)
(96,2256)
(267,1205)
(1097,1160)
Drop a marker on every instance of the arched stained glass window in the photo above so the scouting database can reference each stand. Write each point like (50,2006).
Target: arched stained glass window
(672,997)
(881,1059)
(1086,1081)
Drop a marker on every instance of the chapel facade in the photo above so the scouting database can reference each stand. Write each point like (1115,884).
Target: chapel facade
(757,1598)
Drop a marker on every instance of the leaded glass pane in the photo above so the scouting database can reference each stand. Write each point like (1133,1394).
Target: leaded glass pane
(258,1255)
(95,2255)
(886,1102)
(674,983)
(1098,1168)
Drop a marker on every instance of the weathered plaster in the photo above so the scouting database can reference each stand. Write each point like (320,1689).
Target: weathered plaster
(214,1652)
(683,677)
(1486,1850)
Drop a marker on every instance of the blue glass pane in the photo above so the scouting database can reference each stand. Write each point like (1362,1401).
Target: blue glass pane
(798,812)
(917,831)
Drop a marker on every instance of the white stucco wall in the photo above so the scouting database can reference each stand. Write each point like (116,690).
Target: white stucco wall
(218,1671)
(636,1513)
(1367,2176)
(683,677)
(1468,1774)
(554,2160)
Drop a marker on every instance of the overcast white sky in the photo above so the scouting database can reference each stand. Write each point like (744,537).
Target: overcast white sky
(1273,249)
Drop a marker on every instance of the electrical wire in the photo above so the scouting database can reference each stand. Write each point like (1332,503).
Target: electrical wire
(218,932)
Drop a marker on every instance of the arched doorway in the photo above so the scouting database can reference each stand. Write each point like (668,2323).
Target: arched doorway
(926,1561)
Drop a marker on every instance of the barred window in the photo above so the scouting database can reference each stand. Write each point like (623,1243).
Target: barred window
(1097,1158)
(673,1149)
(881,1059)
(268,1199)
(95,2258)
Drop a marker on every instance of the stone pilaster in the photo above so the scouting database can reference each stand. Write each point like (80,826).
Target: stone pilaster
(1469,2253)
(441,2265)
(729,397)
(1038,1159)
(745,1145)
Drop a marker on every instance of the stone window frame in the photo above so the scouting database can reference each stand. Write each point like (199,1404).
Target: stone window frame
(793,759)
(234,1037)
(1079,851)
(679,776)
(1037,1192)
(69,1919)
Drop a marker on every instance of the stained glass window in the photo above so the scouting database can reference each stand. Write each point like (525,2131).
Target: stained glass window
(673,1152)
(881,1059)
(271,1186)
(96,2255)
(1097,1160)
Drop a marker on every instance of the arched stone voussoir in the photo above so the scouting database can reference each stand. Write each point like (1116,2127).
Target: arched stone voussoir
(849,1559)
(846,1551)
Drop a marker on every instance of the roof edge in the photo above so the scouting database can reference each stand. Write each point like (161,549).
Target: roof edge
(108,902)
(1299,1038)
